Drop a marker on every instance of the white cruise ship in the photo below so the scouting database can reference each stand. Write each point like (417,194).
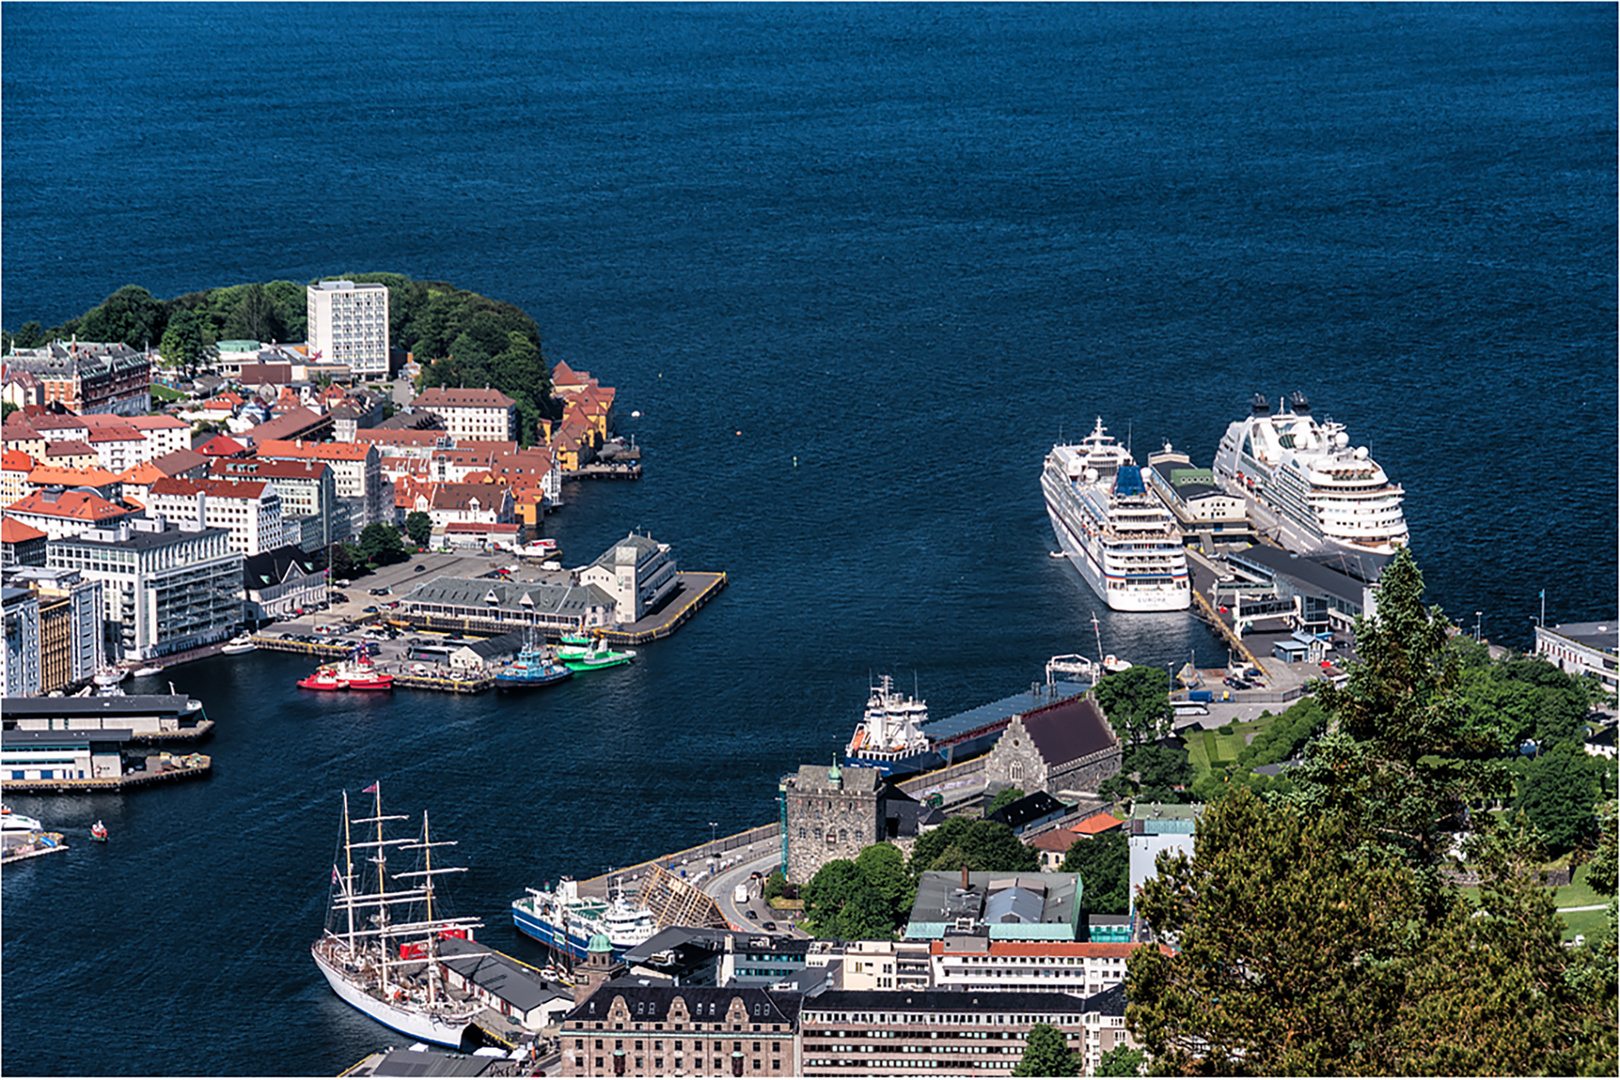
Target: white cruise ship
(1115,530)
(1306,486)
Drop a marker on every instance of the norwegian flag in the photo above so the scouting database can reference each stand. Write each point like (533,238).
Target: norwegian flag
(337,878)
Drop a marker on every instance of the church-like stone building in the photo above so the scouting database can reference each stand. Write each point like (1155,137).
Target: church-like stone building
(832,813)
(1066,747)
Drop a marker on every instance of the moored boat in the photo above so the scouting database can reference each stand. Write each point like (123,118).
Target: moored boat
(1308,488)
(1115,530)
(566,921)
(355,672)
(534,666)
(110,676)
(98,832)
(13,822)
(379,950)
(598,656)
(149,669)
(241,643)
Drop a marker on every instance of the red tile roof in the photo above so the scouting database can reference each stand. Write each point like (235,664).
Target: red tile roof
(323,451)
(13,531)
(444,397)
(222,446)
(55,476)
(70,448)
(16,461)
(1100,822)
(214,489)
(78,505)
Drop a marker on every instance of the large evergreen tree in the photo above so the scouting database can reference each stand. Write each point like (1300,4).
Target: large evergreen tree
(1047,1053)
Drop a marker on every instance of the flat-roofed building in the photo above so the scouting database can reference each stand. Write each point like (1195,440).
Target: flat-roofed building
(1204,513)
(1155,828)
(1587,648)
(71,622)
(939,1032)
(1007,907)
(62,755)
(166,589)
(348,325)
(20,544)
(308,490)
(19,661)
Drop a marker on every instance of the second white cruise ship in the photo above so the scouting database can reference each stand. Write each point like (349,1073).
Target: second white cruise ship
(1305,485)
(1113,528)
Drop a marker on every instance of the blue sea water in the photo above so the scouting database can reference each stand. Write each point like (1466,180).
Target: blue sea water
(858,267)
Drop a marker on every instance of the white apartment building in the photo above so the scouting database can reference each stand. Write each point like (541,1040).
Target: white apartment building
(249,509)
(163,435)
(166,588)
(348,324)
(975,962)
(118,446)
(477,415)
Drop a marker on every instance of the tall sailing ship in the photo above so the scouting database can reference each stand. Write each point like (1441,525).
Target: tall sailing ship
(380,948)
(1112,526)
(1306,486)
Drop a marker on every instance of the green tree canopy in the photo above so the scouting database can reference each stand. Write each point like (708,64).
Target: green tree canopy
(860,900)
(1556,791)
(419,527)
(131,315)
(1104,865)
(187,341)
(1047,1053)
(1121,1061)
(1137,703)
(1004,797)
(974,843)
(1408,757)
(380,544)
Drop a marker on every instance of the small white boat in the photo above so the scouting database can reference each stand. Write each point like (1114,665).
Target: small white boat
(11,822)
(241,643)
(110,676)
(98,832)
(149,669)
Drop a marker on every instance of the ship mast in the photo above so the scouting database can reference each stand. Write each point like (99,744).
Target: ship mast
(426,873)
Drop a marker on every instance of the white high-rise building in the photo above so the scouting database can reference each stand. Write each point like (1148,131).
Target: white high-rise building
(348,324)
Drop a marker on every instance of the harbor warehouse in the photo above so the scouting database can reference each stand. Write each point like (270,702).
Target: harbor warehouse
(482,606)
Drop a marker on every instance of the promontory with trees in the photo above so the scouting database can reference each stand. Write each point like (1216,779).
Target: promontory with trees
(460,338)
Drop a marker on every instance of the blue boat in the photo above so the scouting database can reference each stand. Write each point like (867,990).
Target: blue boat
(565,921)
(534,666)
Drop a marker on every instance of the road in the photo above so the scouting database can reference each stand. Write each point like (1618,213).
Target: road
(720,887)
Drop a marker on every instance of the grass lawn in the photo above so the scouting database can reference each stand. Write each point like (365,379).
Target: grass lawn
(1578,893)
(1589,923)
(163,393)
(1211,744)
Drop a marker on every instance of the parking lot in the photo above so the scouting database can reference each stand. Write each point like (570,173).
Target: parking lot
(388,584)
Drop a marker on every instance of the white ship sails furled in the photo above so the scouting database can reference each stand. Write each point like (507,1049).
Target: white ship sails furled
(891,728)
(1112,526)
(379,950)
(1306,486)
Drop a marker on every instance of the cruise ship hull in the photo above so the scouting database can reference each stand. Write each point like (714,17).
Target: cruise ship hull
(412,1022)
(1135,598)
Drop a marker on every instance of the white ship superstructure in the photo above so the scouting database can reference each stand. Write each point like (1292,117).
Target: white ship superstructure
(1113,528)
(891,729)
(1306,486)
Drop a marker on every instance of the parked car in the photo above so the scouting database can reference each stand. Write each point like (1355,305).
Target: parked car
(751,914)
(770,925)
(370,609)
(420,569)
(380,592)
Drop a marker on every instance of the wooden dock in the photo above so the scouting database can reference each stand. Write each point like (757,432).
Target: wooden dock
(696,588)
(454,686)
(156,773)
(46,843)
(605,470)
(277,644)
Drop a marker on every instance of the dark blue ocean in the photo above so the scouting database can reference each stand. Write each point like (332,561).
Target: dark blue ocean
(858,267)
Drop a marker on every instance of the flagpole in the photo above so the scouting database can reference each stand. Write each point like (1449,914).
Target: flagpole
(1543,620)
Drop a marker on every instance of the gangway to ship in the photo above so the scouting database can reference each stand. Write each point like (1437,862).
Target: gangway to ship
(1071,664)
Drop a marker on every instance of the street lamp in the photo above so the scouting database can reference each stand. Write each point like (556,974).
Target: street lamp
(713,825)
(1477,617)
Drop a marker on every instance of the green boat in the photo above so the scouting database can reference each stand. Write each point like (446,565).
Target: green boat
(574,646)
(598,655)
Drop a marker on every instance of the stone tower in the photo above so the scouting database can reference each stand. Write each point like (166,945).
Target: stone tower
(829,814)
(598,968)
